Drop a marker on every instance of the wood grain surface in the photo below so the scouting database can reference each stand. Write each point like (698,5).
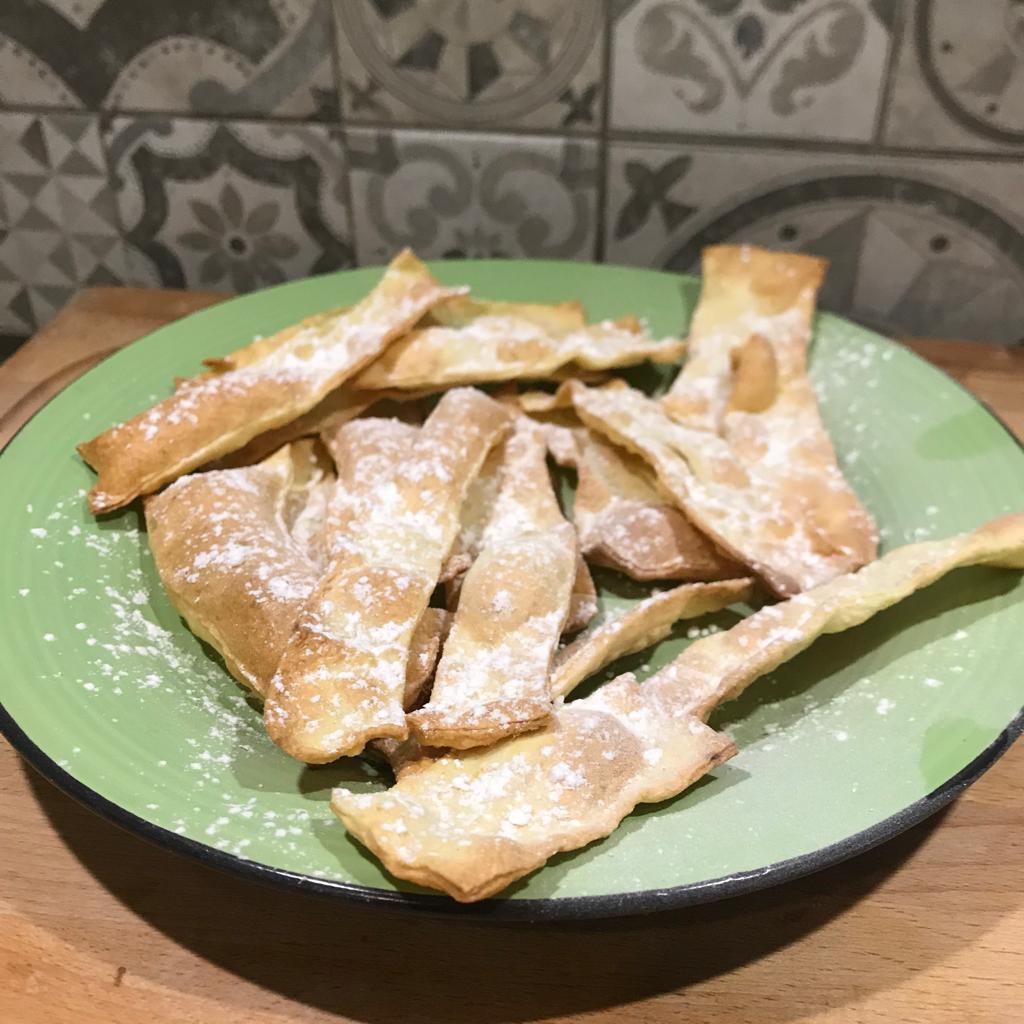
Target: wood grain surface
(98,927)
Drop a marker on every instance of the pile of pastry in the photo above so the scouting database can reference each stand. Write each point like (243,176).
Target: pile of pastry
(361,519)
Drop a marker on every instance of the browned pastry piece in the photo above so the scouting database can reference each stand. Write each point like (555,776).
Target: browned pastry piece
(623,519)
(625,522)
(636,629)
(230,564)
(492,679)
(465,341)
(341,680)
(471,822)
(285,377)
(746,380)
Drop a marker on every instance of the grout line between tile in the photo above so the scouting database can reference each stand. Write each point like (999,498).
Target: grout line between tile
(601,211)
(613,135)
(840,147)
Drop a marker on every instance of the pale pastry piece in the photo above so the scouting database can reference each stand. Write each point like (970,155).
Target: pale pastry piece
(492,679)
(746,380)
(470,823)
(506,341)
(642,626)
(737,505)
(564,441)
(745,292)
(625,522)
(623,519)
(341,679)
(220,412)
(476,511)
(558,318)
(229,563)
(719,667)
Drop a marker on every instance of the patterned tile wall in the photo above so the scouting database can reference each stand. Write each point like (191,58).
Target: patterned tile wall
(240,143)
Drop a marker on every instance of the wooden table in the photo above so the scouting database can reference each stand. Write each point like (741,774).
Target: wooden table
(97,926)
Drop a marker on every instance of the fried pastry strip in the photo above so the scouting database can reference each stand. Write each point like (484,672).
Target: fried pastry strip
(627,524)
(218,413)
(229,563)
(746,380)
(470,823)
(490,341)
(642,626)
(738,506)
(341,679)
(492,680)
(623,520)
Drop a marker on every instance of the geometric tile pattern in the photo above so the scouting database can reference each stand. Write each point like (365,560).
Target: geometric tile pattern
(466,194)
(234,58)
(238,143)
(232,205)
(59,228)
(490,64)
(795,68)
(959,82)
(915,246)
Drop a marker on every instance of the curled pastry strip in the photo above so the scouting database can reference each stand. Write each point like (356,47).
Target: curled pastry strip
(259,389)
(471,822)
(341,680)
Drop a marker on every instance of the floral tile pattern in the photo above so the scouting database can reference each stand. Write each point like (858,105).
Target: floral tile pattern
(238,143)
(59,228)
(489,63)
(796,68)
(461,195)
(959,82)
(233,205)
(230,57)
(916,247)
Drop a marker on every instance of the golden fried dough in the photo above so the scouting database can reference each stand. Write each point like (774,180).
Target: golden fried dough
(504,341)
(626,523)
(492,679)
(341,679)
(470,823)
(746,380)
(229,563)
(219,412)
(642,626)
(736,504)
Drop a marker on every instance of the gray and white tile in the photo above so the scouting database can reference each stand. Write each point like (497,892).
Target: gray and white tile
(959,80)
(490,63)
(233,58)
(232,205)
(471,195)
(916,246)
(793,68)
(59,228)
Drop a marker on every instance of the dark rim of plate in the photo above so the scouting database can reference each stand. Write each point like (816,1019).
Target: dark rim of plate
(550,908)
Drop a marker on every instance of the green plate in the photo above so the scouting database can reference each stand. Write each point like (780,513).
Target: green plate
(107,693)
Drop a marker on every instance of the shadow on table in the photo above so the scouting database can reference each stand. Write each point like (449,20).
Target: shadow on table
(382,966)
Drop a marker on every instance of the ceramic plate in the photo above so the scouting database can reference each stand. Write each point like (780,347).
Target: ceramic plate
(106,692)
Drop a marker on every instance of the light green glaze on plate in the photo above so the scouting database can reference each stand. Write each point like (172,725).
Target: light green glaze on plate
(103,678)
